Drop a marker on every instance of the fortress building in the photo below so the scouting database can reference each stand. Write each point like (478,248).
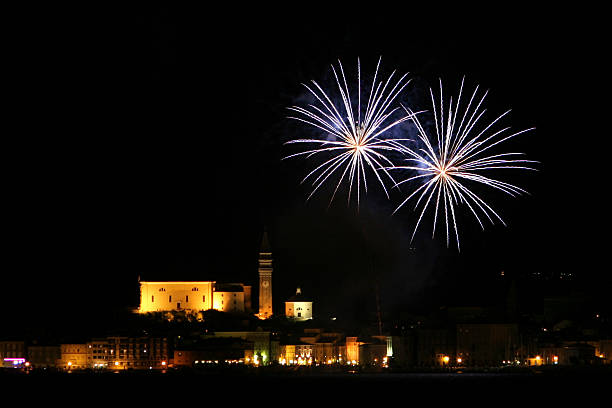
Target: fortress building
(194,296)
(166,296)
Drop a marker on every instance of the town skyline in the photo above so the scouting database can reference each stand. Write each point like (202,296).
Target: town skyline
(132,187)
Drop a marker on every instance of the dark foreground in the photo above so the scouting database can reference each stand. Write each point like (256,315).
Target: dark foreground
(280,387)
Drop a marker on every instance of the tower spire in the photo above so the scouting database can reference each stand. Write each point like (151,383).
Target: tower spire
(265,277)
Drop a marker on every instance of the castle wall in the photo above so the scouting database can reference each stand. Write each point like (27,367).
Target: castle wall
(163,296)
(228,301)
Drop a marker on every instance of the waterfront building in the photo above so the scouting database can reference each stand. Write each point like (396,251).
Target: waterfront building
(213,350)
(12,354)
(44,356)
(296,352)
(73,357)
(434,345)
(264,350)
(138,353)
(12,349)
(375,352)
(487,344)
(98,353)
(327,347)
(352,350)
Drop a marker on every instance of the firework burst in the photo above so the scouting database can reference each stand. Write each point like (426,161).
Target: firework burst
(356,140)
(456,156)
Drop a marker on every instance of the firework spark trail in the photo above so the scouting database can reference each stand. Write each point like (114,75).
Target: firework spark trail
(360,143)
(457,154)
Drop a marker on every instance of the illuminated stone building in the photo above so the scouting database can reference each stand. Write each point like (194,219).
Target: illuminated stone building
(73,357)
(328,347)
(265,278)
(195,296)
(232,297)
(298,307)
(296,352)
(352,350)
(168,295)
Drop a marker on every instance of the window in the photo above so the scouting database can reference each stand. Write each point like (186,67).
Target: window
(186,298)
(203,299)
(170,299)
(162,289)
(194,289)
(152,299)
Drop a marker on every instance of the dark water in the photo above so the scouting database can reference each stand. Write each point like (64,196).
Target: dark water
(279,389)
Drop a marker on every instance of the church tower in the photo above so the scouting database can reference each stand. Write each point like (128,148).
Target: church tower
(265,278)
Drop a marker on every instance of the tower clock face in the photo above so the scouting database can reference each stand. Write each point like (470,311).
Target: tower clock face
(264,284)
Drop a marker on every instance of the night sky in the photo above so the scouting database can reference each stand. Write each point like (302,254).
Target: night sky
(148,143)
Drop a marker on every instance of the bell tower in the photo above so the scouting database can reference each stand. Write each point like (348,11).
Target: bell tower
(265,278)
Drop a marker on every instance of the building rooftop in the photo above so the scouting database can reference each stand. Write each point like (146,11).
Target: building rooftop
(298,297)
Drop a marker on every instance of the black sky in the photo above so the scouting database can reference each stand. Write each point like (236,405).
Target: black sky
(148,143)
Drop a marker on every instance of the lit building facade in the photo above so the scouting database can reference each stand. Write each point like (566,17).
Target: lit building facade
(296,353)
(73,357)
(265,278)
(298,307)
(232,297)
(12,353)
(196,296)
(138,353)
(12,349)
(263,350)
(168,295)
